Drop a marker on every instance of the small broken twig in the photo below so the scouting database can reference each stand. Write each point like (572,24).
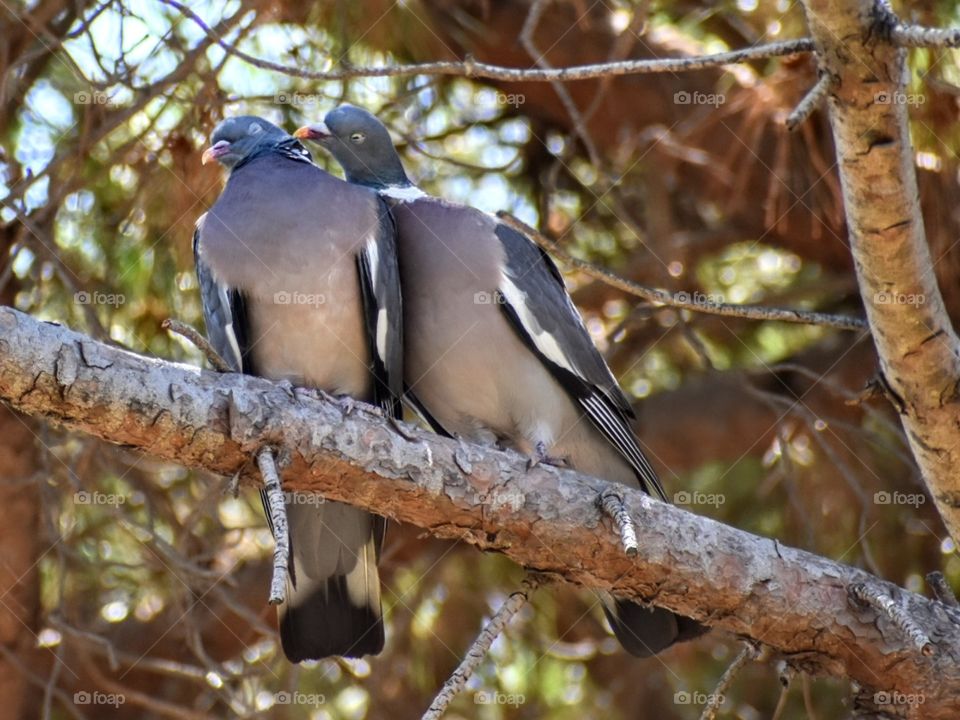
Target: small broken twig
(872,390)
(716,698)
(273,502)
(191,334)
(480,647)
(611,502)
(810,102)
(885,605)
(942,591)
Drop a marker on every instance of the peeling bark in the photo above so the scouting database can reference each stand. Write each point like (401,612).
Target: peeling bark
(546,519)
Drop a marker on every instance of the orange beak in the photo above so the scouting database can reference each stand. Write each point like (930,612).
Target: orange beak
(317,131)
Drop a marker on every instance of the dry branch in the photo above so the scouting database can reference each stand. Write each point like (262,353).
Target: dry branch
(277,517)
(612,505)
(717,697)
(810,102)
(202,344)
(684,300)
(792,601)
(472,69)
(479,649)
(893,613)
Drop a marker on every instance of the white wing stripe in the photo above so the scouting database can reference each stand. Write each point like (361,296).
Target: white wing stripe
(228,328)
(602,414)
(545,342)
(623,439)
(383,326)
(372,251)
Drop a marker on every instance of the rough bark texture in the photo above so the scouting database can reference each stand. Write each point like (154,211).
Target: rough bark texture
(546,519)
(918,349)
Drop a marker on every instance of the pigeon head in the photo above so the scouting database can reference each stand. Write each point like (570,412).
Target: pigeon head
(237,138)
(361,144)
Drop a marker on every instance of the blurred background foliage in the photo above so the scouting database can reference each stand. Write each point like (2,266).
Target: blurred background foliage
(135,577)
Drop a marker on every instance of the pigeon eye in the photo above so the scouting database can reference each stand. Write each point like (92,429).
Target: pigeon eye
(358,137)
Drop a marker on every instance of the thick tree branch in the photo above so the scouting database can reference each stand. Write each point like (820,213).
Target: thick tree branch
(544,518)
(918,349)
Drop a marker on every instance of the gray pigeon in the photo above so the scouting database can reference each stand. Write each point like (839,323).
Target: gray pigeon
(494,350)
(299,281)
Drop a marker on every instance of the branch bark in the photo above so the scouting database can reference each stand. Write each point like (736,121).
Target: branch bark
(546,519)
(918,349)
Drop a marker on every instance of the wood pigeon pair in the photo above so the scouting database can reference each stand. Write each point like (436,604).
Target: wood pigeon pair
(299,282)
(494,349)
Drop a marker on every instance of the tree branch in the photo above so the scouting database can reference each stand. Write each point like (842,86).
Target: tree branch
(479,648)
(810,102)
(683,299)
(918,349)
(472,69)
(544,518)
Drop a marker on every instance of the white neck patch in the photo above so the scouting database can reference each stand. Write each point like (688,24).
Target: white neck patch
(403,193)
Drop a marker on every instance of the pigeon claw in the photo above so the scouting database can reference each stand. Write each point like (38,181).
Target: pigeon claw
(540,455)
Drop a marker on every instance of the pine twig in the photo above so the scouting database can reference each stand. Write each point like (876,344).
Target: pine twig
(810,102)
(888,26)
(895,614)
(916,36)
(479,649)
(716,698)
(277,514)
(191,334)
(682,299)
(612,504)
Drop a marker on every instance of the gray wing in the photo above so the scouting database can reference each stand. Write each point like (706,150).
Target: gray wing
(383,312)
(535,300)
(223,311)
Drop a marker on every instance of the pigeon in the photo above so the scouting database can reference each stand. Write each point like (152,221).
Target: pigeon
(299,283)
(495,352)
